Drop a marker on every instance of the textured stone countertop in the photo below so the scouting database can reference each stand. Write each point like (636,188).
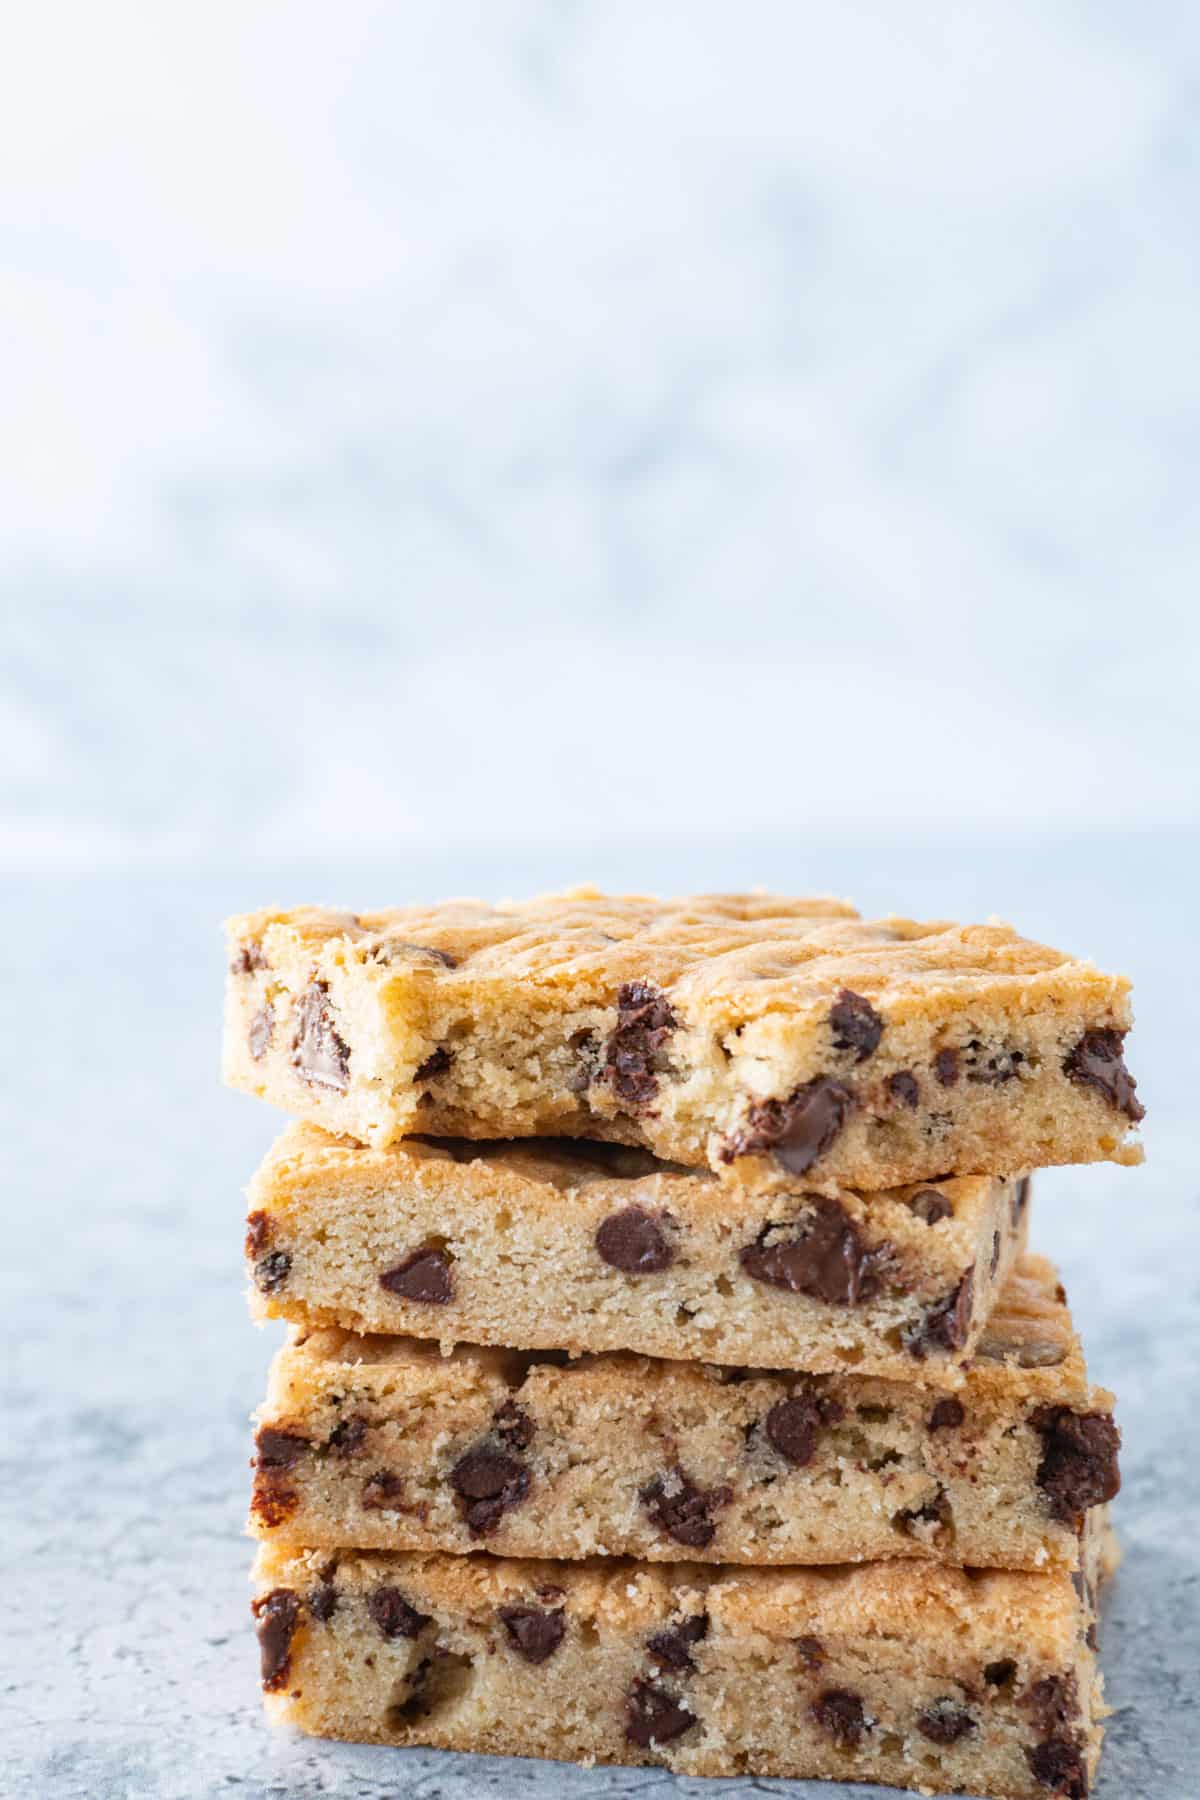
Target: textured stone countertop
(128,1660)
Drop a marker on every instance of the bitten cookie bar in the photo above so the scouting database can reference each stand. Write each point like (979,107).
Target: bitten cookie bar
(381,1443)
(710,1030)
(924,1677)
(560,1245)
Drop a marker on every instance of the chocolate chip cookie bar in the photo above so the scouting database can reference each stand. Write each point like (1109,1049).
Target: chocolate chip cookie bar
(924,1677)
(382,1443)
(557,1244)
(726,1029)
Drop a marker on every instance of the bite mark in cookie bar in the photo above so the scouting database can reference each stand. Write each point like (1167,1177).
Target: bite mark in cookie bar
(709,1031)
(384,1443)
(593,1247)
(939,1679)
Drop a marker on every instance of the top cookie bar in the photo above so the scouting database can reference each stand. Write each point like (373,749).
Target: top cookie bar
(744,1031)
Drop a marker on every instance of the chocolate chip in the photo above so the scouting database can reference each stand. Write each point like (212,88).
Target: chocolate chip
(843,1715)
(259,1230)
(856,1025)
(271,1271)
(535,1635)
(248,958)
(797,1131)
(948,1414)
(903,1088)
(278,1614)
(514,1425)
(1052,1703)
(1058,1765)
(644,1023)
(278,1449)
(931,1206)
(273,1500)
(435,1064)
(945,1722)
(259,1035)
(999,1674)
(792,1425)
(322,1602)
(946,1324)
(1098,1061)
(1079,1465)
(811,1652)
(346,1437)
(319,1055)
(425,1275)
(672,1648)
(946,1066)
(992,1071)
(634,1242)
(487,1482)
(383,1491)
(683,1510)
(653,1716)
(822,1256)
(394,1615)
(935,1513)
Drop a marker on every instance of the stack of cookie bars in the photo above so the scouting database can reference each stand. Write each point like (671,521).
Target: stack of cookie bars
(668,1381)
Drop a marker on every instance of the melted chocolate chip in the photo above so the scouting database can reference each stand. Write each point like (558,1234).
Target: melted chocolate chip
(383,1491)
(514,1425)
(271,1271)
(535,1635)
(1098,1061)
(796,1131)
(258,1037)
(259,1229)
(653,1716)
(843,1715)
(856,1025)
(672,1648)
(946,1067)
(822,1256)
(811,1652)
(1059,1766)
(278,1614)
(931,1206)
(278,1449)
(322,1602)
(435,1064)
(346,1438)
(946,1324)
(999,1674)
(947,1415)
(945,1722)
(425,1275)
(487,1482)
(683,1510)
(319,1055)
(792,1425)
(248,958)
(644,1023)
(1079,1466)
(634,1242)
(904,1089)
(1052,1703)
(394,1615)
(273,1500)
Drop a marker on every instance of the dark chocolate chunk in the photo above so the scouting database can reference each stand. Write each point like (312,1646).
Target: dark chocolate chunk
(248,958)
(792,1425)
(683,1510)
(946,1324)
(672,1648)
(1059,1765)
(822,1256)
(946,1067)
(322,1602)
(903,1088)
(535,1635)
(634,1050)
(999,1674)
(487,1482)
(259,1229)
(278,1614)
(948,1414)
(1079,1466)
(1052,1703)
(271,1271)
(653,1716)
(931,1206)
(514,1425)
(843,1715)
(635,1242)
(394,1615)
(425,1275)
(811,1652)
(945,1722)
(1098,1061)
(383,1491)
(278,1449)
(796,1131)
(347,1436)
(435,1064)
(259,1035)
(856,1025)
(319,1055)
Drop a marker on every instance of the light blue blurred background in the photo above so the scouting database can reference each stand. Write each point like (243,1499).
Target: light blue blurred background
(479,447)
